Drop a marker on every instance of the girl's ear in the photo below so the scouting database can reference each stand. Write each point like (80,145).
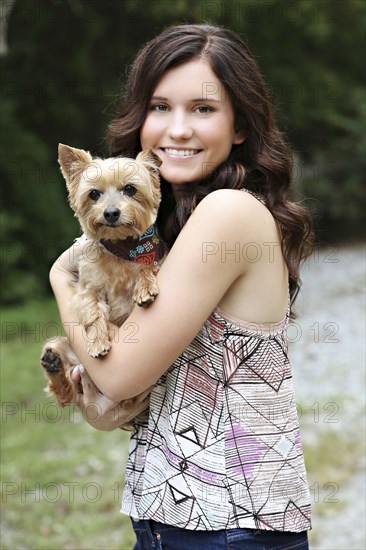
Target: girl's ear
(239,137)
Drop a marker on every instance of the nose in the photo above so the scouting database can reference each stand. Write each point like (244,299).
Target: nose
(179,126)
(111,214)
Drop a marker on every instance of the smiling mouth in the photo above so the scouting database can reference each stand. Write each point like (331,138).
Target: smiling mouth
(180,152)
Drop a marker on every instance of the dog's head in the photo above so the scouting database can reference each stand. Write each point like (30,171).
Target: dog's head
(112,198)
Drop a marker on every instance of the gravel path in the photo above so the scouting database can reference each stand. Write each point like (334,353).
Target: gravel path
(327,350)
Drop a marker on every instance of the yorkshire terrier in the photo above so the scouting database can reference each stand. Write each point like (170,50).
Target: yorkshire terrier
(116,201)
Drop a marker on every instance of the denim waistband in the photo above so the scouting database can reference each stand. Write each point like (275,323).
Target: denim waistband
(155,535)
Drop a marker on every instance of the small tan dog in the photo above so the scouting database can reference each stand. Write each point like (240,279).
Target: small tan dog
(116,201)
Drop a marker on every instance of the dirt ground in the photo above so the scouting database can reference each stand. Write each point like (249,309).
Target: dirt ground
(327,351)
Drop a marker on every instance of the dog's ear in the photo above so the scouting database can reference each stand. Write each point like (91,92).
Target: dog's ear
(150,159)
(72,161)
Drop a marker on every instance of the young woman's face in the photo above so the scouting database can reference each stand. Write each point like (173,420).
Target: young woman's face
(190,123)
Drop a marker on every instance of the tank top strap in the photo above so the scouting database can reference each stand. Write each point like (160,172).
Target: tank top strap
(288,304)
(254,194)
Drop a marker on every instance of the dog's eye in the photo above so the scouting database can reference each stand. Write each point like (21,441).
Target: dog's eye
(94,194)
(129,190)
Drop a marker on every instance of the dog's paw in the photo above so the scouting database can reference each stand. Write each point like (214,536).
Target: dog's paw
(145,303)
(51,362)
(98,349)
(143,299)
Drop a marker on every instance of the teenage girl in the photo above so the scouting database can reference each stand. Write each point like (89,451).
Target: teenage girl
(218,463)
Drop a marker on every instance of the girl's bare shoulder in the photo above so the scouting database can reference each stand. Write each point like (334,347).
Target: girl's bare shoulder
(231,210)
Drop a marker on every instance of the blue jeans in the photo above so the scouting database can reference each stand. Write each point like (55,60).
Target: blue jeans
(158,536)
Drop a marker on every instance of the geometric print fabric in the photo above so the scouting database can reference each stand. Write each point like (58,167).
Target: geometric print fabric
(221,447)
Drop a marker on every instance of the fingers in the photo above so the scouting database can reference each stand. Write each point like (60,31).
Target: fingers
(67,264)
(75,375)
(96,408)
(90,390)
(81,379)
(89,394)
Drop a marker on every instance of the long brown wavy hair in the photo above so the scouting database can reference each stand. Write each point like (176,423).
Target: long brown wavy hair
(262,164)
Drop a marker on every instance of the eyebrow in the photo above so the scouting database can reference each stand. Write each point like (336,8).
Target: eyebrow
(197,99)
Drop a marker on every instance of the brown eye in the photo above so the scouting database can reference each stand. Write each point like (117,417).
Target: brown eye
(94,194)
(129,190)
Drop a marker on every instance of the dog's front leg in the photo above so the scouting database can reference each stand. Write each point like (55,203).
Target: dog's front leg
(146,288)
(58,360)
(93,315)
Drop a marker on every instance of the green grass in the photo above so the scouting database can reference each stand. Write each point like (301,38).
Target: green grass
(61,479)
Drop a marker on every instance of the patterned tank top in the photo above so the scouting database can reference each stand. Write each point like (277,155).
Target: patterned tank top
(221,446)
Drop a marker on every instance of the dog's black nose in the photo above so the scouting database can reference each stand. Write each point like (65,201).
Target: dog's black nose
(111,214)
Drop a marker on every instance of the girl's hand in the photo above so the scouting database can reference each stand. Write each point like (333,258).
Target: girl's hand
(99,411)
(67,265)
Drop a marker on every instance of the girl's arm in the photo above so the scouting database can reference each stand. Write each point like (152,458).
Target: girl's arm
(192,281)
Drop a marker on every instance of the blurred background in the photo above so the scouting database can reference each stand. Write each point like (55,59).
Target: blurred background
(64,64)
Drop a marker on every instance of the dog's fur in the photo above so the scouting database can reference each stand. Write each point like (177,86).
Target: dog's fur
(113,199)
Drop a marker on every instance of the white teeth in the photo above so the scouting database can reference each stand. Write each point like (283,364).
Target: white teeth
(181,152)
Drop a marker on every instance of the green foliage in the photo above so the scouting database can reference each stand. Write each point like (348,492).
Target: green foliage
(312,55)
(66,65)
